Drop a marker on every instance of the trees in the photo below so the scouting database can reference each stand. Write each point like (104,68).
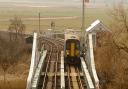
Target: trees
(10,49)
(3,56)
(11,53)
(112,56)
(119,16)
(16,26)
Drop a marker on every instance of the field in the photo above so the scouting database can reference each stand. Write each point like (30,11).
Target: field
(64,17)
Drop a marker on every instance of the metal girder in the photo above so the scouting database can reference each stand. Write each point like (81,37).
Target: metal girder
(87,77)
(38,71)
(62,71)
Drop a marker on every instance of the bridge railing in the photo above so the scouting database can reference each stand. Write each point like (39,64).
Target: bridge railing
(34,61)
(90,39)
(90,61)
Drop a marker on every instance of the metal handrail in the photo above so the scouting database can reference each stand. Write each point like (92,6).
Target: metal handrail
(91,62)
(33,62)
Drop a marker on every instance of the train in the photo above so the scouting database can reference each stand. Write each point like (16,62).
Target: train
(72,49)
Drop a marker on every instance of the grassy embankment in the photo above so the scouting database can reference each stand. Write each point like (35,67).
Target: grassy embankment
(32,12)
(14,62)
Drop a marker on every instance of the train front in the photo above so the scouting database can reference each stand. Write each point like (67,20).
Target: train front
(72,49)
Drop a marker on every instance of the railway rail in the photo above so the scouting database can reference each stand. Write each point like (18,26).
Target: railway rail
(74,77)
(50,78)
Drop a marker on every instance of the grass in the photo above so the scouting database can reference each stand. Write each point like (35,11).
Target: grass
(91,15)
(11,83)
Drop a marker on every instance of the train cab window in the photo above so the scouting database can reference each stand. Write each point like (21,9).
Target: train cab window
(67,45)
(69,42)
(77,46)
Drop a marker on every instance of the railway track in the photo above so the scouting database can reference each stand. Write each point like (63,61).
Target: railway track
(49,79)
(74,78)
(49,71)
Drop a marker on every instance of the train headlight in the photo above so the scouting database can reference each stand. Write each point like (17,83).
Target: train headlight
(77,53)
(67,52)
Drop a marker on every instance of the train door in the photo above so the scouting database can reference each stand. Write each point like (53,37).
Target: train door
(72,50)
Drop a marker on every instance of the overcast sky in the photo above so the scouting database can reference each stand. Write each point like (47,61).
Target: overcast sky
(96,1)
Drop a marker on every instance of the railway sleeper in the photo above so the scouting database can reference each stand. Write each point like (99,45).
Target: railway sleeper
(59,74)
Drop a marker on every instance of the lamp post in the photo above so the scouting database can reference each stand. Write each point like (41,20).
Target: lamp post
(83,25)
(83,15)
(84,35)
(39,22)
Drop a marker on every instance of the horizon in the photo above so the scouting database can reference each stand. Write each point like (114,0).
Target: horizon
(66,1)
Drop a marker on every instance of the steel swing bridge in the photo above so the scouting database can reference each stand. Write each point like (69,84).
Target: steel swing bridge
(49,71)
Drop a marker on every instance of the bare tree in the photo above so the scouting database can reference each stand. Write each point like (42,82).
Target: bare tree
(115,50)
(8,54)
(4,56)
(120,26)
(120,16)
(16,26)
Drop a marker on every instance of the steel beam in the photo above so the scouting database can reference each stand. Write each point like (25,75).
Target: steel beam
(62,71)
(38,71)
(87,77)
(33,63)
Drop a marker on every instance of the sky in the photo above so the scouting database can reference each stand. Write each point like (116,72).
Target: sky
(74,1)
